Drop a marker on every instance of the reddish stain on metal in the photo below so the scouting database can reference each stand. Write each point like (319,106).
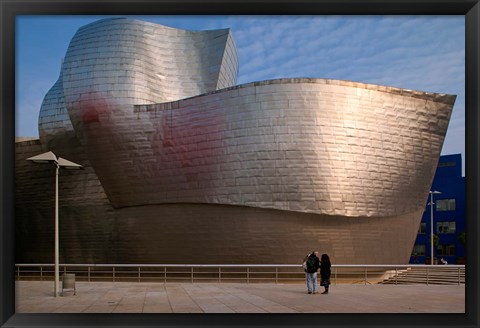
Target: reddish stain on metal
(90,114)
(91,106)
(184,135)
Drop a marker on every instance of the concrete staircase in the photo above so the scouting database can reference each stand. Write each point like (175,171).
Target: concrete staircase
(440,275)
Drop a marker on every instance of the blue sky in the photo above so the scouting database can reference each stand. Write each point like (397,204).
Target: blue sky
(424,53)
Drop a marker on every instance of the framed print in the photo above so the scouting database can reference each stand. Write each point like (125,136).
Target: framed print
(198,153)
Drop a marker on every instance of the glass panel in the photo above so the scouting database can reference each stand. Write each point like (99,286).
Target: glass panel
(451,204)
(445,227)
(440,227)
(419,250)
(451,227)
(447,164)
(441,205)
(445,205)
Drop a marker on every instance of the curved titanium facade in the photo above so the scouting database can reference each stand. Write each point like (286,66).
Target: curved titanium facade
(307,145)
(185,162)
(135,62)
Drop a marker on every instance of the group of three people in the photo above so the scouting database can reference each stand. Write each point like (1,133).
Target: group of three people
(311,265)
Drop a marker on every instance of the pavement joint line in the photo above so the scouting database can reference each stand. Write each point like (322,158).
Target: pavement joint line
(265,305)
(168,298)
(144,299)
(186,292)
(221,290)
(244,300)
(203,288)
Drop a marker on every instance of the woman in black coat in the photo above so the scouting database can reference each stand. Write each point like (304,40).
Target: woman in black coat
(325,272)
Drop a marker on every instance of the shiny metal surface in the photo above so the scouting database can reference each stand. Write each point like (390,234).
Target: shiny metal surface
(170,144)
(308,145)
(133,62)
(53,119)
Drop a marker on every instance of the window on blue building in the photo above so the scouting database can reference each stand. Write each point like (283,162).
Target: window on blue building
(419,250)
(422,228)
(446,227)
(446,204)
(447,164)
(446,250)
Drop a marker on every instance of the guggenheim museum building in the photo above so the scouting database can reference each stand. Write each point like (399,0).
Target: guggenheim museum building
(181,165)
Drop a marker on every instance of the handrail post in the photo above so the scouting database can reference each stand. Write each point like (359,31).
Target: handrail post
(164,274)
(138,274)
(248,275)
(365,275)
(41,273)
(276,275)
(219,274)
(88,273)
(18,273)
(458,276)
(396,273)
(113,272)
(192,274)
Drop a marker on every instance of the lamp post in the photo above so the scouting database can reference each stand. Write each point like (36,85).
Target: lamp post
(431,221)
(59,162)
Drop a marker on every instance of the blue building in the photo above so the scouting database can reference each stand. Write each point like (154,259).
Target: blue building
(448,216)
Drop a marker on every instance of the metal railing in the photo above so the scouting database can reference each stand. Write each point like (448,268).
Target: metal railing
(246,273)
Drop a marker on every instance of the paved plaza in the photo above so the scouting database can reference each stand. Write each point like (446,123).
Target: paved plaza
(122,297)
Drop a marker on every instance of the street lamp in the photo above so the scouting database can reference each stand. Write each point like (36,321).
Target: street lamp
(431,220)
(59,162)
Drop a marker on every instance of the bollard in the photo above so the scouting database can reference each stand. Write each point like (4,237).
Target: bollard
(68,282)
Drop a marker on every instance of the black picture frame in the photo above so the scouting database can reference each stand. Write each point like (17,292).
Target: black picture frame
(9,9)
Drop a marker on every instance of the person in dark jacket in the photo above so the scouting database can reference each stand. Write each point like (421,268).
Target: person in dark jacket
(312,264)
(325,272)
